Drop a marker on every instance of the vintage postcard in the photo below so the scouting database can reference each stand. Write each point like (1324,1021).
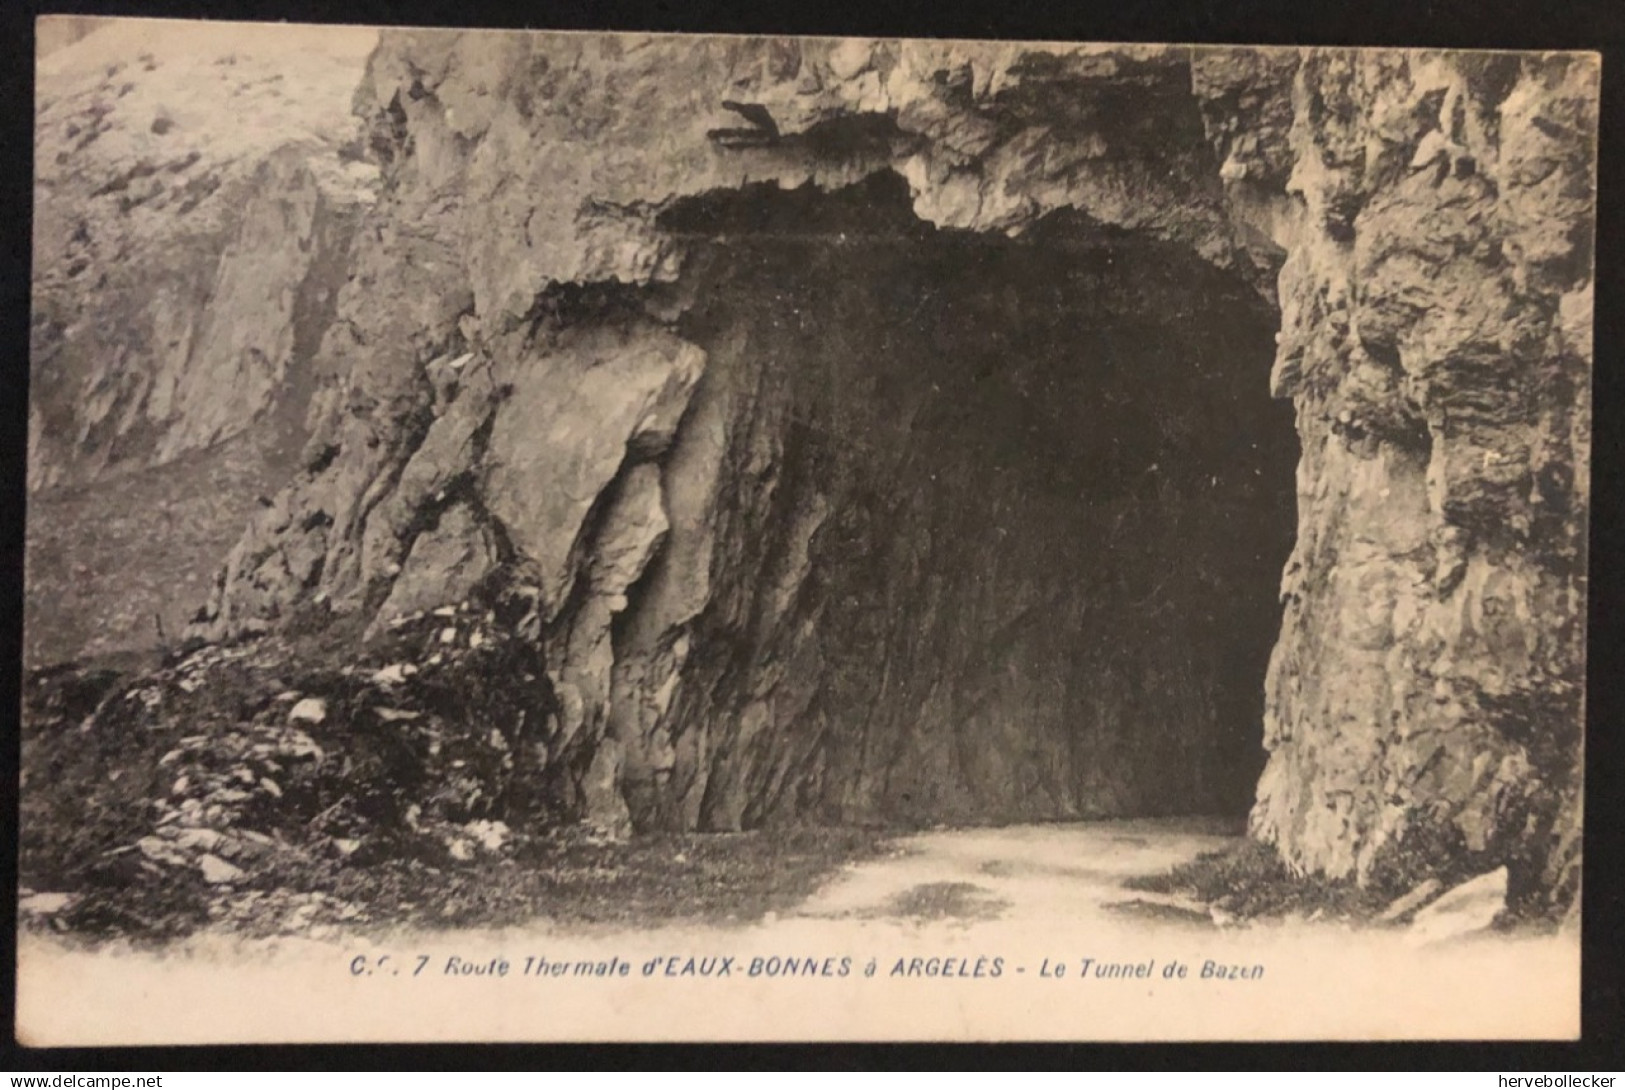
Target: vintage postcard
(577,536)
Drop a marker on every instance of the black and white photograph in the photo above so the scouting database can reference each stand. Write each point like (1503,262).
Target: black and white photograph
(588,536)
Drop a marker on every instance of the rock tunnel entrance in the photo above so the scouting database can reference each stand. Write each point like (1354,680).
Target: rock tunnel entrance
(999,527)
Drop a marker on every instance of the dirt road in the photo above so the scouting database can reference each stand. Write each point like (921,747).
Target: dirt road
(1069,874)
(991,934)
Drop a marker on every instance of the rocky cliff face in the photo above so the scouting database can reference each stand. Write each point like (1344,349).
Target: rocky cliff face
(1424,701)
(840,420)
(882,431)
(183,259)
(186,266)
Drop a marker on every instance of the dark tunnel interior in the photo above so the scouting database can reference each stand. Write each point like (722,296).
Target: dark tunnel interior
(1004,520)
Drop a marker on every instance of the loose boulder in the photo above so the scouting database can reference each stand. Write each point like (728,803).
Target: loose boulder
(1470,908)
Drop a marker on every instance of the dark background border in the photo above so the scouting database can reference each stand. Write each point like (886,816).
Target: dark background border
(1483,24)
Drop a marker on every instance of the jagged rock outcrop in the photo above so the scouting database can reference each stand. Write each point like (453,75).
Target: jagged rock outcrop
(1424,702)
(786,548)
(881,431)
(186,266)
(183,260)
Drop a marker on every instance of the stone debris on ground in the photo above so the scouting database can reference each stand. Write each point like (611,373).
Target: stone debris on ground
(1410,902)
(1470,908)
(217,871)
(308,710)
(281,911)
(258,783)
(42,904)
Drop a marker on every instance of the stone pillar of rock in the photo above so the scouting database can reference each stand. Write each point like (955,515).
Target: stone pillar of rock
(1424,700)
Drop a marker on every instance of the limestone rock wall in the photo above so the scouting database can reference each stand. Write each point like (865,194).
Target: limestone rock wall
(183,260)
(967,580)
(757,602)
(197,192)
(532,391)
(1425,697)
